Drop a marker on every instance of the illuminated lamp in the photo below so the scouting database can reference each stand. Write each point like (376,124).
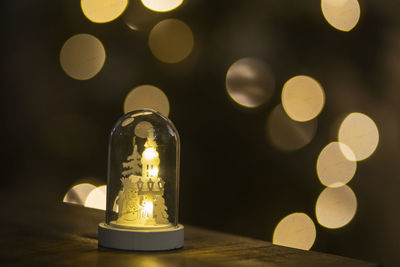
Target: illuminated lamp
(143,181)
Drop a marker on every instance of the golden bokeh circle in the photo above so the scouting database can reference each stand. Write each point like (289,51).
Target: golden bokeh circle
(360,133)
(333,167)
(249,82)
(82,56)
(97,198)
(342,15)
(296,230)
(171,41)
(287,134)
(161,5)
(302,98)
(336,207)
(147,96)
(101,11)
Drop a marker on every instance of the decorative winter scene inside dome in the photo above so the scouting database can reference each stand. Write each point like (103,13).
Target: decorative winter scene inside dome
(143,179)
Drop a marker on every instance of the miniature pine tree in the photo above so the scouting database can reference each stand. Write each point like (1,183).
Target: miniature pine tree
(160,210)
(133,165)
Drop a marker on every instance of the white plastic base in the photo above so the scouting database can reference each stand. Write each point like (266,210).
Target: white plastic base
(141,240)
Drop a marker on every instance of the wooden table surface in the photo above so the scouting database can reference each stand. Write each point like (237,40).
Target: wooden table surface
(65,235)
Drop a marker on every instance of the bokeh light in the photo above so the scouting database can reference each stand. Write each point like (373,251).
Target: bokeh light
(360,133)
(302,98)
(82,56)
(249,82)
(161,5)
(171,41)
(147,96)
(97,198)
(78,194)
(341,14)
(287,134)
(333,168)
(336,207)
(296,230)
(101,11)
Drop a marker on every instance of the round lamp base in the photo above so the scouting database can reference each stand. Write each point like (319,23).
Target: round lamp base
(141,240)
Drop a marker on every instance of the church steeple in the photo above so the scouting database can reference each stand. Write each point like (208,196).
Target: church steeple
(150,158)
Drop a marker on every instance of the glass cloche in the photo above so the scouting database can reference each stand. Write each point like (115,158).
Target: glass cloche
(142,184)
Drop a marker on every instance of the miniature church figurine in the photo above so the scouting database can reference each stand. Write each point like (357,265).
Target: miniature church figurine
(141,199)
(142,184)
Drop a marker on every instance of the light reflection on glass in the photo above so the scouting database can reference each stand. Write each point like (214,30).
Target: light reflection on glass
(336,207)
(296,230)
(287,134)
(249,82)
(343,15)
(147,96)
(171,41)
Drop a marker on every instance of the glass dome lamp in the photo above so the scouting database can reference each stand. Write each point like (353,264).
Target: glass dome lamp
(142,184)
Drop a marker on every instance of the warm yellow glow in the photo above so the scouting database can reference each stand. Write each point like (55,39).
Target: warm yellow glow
(147,208)
(101,11)
(82,56)
(147,96)
(333,168)
(171,41)
(302,98)
(286,134)
(150,153)
(336,207)
(341,14)
(249,82)
(360,133)
(162,5)
(153,172)
(78,194)
(97,198)
(296,230)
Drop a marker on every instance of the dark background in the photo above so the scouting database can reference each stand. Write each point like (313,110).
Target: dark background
(55,129)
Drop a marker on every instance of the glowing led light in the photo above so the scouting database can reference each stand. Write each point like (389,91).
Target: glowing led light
(296,230)
(359,132)
(150,154)
(148,208)
(336,207)
(97,198)
(171,41)
(161,5)
(147,96)
(302,98)
(78,194)
(141,204)
(286,134)
(101,11)
(333,168)
(82,56)
(249,82)
(341,14)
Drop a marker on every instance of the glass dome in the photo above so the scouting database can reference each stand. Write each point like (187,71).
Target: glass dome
(143,172)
